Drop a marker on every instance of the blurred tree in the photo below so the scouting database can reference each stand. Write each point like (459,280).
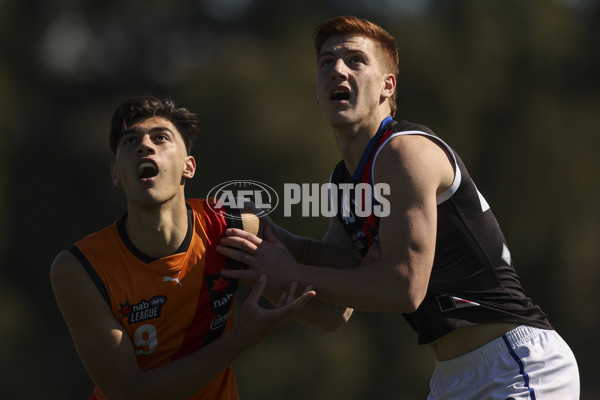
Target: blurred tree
(511,85)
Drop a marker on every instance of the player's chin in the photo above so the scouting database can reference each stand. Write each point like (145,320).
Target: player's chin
(340,118)
(148,197)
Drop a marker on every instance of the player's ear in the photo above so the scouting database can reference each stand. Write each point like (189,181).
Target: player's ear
(189,169)
(389,86)
(113,175)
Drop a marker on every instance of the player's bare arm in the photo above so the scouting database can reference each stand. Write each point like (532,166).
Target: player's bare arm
(108,354)
(416,170)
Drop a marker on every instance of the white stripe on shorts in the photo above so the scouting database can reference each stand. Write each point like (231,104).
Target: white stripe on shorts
(525,363)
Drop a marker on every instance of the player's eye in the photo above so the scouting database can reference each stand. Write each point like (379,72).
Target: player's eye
(128,140)
(357,60)
(325,62)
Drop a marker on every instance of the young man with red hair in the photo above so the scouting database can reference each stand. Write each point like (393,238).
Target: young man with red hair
(438,256)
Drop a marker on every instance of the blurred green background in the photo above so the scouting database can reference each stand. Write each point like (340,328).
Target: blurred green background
(512,85)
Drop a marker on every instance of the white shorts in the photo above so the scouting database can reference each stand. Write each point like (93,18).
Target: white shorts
(525,363)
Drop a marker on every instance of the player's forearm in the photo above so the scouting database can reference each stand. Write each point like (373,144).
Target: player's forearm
(377,287)
(340,282)
(324,254)
(316,313)
(186,376)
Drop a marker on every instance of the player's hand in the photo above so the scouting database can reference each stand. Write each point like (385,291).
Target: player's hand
(256,323)
(268,256)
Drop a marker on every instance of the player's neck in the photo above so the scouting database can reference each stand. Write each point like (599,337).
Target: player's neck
(352,141)
(158,231)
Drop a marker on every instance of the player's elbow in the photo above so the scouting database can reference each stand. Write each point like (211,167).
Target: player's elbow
(407,289)
(414,297)
(400,304)
(411,304)
(405,301)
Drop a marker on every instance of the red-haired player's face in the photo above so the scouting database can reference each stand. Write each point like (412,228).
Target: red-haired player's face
(151,163)
(351,81)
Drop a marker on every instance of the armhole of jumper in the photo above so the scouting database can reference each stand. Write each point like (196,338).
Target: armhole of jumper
(233,219)
(91,272)
(442,197)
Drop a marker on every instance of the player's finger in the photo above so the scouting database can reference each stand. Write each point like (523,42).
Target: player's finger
(238,243)
(309,288)
(257,290)
(238,255)
(234,232)
(296,305)
(282,300)
(241,274)
(292,293)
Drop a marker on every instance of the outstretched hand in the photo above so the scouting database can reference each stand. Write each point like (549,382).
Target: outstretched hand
(256,323)
(263,256)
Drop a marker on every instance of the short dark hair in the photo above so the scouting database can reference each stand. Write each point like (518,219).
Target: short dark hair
(138,109)
(358,26)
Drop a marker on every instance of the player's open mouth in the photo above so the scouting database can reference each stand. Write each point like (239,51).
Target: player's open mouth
(147,169)
(340,94)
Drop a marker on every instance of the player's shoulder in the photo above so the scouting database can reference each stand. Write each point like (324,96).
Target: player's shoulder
(408,148)
(413,127)
(415,157)
(197,203)
(212,212)
(63,259)
(66,271)
(206,210)
(408,141)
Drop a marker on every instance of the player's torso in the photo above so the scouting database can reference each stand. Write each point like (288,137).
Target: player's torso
(472,278)
(169,306)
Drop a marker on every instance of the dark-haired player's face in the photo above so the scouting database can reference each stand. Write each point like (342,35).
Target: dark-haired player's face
(350,79)
(151,162)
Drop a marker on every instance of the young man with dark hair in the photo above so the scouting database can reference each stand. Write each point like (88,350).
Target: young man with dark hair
(438,256)
(144,299)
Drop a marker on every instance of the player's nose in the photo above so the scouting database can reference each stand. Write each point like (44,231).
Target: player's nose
(145,146)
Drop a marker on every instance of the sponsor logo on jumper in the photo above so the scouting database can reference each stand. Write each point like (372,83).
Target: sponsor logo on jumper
(169,279)
(448,303)
(222,302)
(220,320)
(220,291)
(144,310)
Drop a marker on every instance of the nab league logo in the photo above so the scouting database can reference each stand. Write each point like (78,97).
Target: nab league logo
(235,194)
(144,310)
(220,292)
